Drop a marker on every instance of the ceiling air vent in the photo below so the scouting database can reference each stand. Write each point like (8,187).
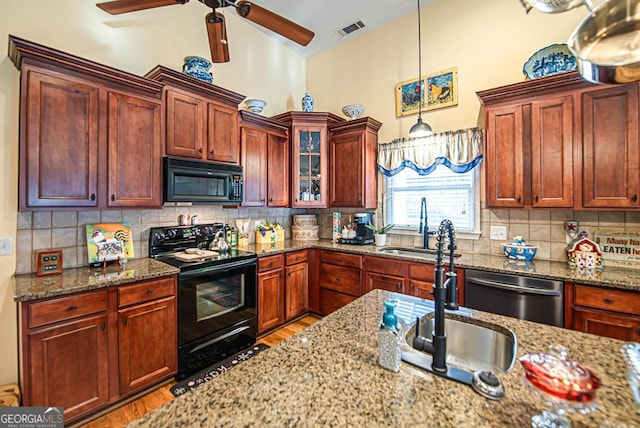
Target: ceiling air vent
(358,25)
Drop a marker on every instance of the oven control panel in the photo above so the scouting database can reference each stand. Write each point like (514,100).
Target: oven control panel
(165,239)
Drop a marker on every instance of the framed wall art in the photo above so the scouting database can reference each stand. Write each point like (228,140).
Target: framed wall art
(109,242)
(440,88)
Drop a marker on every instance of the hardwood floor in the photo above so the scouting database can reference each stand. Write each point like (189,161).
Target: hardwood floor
(161,395)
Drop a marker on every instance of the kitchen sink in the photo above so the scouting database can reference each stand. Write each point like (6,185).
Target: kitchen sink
(472,345)
(414,252)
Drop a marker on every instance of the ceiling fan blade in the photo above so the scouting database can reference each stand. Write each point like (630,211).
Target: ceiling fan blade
(217,32)
(117,7)
(274,22)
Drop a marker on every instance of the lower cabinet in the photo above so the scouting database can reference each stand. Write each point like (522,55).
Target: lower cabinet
(82,352)
(421,277)
(383,273)
(296,285)
(603,311)
(340,280)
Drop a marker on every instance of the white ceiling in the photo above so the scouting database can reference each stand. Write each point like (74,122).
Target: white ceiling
(324,17)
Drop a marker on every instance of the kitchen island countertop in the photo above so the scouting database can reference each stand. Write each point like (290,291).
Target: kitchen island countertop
(328,375)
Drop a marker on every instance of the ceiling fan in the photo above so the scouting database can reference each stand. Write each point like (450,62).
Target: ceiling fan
(214,20)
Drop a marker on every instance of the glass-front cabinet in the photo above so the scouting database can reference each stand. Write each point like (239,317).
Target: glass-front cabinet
(309,156)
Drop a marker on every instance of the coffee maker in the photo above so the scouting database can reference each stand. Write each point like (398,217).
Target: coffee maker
(364,235)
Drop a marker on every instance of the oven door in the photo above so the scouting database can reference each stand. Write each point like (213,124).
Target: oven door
(215,298)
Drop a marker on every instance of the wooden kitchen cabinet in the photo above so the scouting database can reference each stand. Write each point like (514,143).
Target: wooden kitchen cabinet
(271,293)
(89,134)
(265,159)
(603,311)
(421,277)
(353,163)
(78,352)
(201,119)
(340,280)
(296,284)
(561,142)
(383,273)
(309,134)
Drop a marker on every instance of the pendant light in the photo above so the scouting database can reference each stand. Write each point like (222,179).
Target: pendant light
(420,129)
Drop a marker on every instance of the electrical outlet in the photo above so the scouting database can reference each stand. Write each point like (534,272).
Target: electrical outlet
(6,246)
(499,232)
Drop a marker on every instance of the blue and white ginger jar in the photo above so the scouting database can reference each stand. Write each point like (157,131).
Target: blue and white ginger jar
(197,67)
(307,102)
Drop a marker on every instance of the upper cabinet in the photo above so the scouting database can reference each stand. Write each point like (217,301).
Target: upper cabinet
(353,167)
(201,118)
(89,134)
(561,142)
(264,154)
(309,156)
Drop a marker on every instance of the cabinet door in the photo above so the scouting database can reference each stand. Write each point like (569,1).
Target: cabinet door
(133,152)
(609,324)
(68,366)
(254,163)
(296,284)
(552,153)
(148,343)
(223,142)
(422,277)
(186,125)
(309,167)
(347,170)
(270,300)
(383,282)
(610,160)
(59,141)
(505,147)
(277,171)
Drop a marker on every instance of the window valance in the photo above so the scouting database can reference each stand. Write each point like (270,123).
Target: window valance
(459,150)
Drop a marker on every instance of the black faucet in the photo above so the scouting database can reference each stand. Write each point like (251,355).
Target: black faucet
(425,231)
(444,294)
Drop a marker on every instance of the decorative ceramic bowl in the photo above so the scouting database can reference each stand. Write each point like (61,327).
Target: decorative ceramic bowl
(354,111)
(255,105)
(518,250)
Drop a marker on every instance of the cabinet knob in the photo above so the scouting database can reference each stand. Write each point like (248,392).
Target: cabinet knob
(536,198)
(262,200)
(93,196)
(113,197)
(200,150)
(211,152)
(634,198)
(519,199)
(609,300)
(149,291)
(102,326)
(270,199)
(124,321)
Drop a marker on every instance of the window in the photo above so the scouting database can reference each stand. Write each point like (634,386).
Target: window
(449,196)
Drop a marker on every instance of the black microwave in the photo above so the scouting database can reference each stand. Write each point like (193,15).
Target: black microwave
(201,182)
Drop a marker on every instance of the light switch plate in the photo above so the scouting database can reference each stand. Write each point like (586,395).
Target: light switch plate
(499,232)
(6,246)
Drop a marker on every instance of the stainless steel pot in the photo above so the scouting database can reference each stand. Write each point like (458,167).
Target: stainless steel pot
(554,6)
(607,43)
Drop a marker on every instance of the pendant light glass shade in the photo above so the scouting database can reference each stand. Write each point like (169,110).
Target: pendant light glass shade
(420,129)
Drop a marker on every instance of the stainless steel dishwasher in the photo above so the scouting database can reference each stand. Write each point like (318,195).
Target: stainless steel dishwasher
(525,298)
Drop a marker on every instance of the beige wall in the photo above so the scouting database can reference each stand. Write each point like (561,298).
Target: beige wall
(488,41)
(136,42)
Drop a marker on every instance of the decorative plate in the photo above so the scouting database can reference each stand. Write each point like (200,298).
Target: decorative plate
(548,61)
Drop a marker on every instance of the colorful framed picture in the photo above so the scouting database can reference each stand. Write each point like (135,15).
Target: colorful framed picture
(107,242)
(440,88)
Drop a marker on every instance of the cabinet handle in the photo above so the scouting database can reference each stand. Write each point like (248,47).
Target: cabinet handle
(102,326)
(113,197)
(519,199)
(72,308)
(262,200)
(536,198)
(93,196)
(634,198)
(124,321)
(638,332)
(149,291)
(270,199)
(609,300)
(399,286)
(200,150)
(211,152)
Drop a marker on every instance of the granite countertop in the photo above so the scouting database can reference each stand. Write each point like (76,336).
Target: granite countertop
(328,375)
(32,287)
(615,277)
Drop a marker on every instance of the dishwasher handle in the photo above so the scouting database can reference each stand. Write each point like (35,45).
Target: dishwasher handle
(517,288)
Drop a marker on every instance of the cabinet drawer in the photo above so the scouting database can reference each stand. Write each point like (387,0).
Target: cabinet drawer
(296,257)
(145,291)
(341,259)
(422,272)
(384,265)
(65,308)
(270,263)
(331,301)
(603,298)
(339,278)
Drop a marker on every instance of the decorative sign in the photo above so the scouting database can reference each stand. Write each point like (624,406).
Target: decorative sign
(107,242)
(620,249)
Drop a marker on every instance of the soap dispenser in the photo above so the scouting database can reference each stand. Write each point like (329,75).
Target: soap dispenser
(390,345)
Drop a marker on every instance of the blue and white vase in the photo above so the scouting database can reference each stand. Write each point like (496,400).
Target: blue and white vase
(197,67)
(307,102)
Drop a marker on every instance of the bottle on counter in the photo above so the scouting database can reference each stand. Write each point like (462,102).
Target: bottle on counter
(390,342)
(233,239)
